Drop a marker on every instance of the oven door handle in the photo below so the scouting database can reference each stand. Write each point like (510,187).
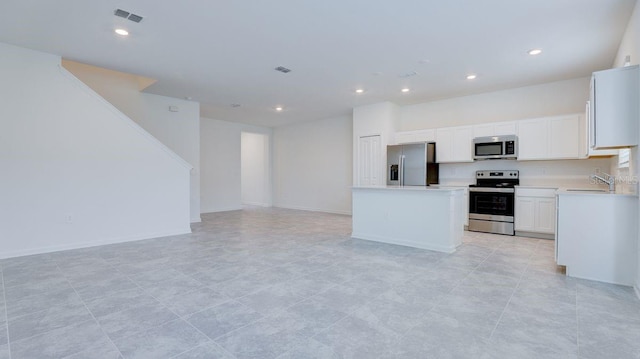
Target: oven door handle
(491,189)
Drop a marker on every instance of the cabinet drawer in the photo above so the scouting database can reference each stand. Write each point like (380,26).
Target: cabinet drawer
(536,192)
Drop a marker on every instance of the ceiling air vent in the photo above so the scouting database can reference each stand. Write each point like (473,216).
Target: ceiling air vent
(135,18)
(282,69)
(128,15)
(122,13)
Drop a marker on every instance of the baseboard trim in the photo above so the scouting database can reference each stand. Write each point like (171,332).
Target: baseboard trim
(309,209)
(257,204)
(223,209)
(102,242)
(401,242)
(535,235)
(196,220)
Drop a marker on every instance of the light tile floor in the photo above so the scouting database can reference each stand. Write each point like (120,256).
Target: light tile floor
(275,283)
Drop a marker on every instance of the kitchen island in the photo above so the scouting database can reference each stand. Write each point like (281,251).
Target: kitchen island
(420,217)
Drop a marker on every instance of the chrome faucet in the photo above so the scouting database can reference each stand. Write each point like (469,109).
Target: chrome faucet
(608,179)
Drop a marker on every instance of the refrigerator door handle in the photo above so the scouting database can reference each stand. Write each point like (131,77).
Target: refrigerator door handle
(401,170)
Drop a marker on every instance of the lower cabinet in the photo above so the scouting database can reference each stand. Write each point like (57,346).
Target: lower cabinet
(535,212)
(597,236)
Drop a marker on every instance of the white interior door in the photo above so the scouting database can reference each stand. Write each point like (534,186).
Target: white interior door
(369,161)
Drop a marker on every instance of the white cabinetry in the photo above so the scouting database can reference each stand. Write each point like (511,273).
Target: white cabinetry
(370,161)
(597,236)
(585,133)
(415,136)
(535,212)
(453,144)
(615,111)
(549,138)
(495,129)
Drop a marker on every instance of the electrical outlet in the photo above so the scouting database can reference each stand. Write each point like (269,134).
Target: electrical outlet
(68,218)
(596,170)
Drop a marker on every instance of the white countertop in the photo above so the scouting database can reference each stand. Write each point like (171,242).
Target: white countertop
(591,192)
(410,188)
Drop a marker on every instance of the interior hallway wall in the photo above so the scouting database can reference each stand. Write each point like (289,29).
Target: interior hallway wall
(312,165)
(76,172)
(220,153)
(180,131)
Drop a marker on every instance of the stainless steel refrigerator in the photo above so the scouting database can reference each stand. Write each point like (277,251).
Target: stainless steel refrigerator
(412,164)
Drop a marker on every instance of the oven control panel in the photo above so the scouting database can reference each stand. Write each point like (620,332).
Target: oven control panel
(498,174)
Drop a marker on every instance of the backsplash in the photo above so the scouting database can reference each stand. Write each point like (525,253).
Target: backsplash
(561,173)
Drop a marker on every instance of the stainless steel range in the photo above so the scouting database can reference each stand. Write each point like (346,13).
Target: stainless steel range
(492,202)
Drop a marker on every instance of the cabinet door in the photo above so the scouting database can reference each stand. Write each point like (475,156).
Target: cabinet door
(405,137)
(545,215)
(505,128)
(525,214)
(462,144)
(425,136)
(615,107)
(483,130)
(532,139)
(564,137)
(444,145)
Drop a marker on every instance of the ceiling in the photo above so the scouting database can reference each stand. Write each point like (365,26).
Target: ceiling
(224,52)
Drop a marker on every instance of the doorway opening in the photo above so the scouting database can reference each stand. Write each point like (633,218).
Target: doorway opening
(255,169)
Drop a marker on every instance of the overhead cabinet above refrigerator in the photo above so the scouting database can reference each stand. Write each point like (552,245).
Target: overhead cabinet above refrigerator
(614,111)
(412,165)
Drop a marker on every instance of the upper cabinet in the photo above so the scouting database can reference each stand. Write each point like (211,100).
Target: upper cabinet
(614,108)
(453,144)
(415,136)
(549,138)
(586,150)
(495,129)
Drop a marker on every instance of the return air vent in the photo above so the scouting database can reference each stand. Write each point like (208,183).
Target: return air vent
(282,69)
(128,15)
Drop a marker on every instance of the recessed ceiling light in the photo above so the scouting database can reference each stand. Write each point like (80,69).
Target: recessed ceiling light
(359,91)
(471,76)
(405,90)
(535,52)
(122,32)
(279,108)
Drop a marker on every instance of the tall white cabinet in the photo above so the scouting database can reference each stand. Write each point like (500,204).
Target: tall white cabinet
(614,108)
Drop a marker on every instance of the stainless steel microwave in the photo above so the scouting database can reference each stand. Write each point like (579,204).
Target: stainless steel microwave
(495,148)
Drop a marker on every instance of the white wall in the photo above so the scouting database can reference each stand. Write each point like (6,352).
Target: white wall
(377,119)
(255,169)
(312,165)
(220,161)
(548,99)
(630,44)
(76,172)
(180,131)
